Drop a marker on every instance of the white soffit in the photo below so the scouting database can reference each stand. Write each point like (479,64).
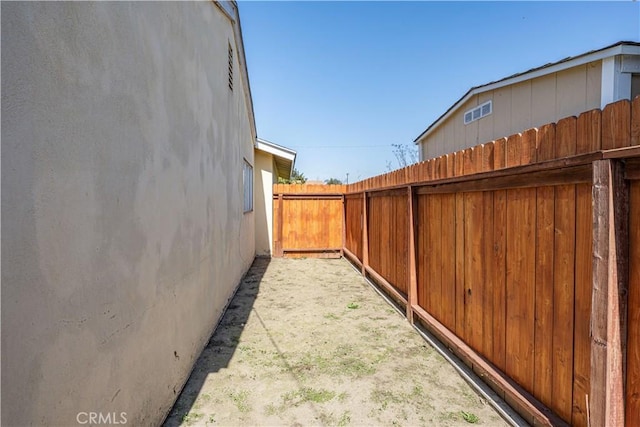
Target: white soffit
(284,157)
(275,149)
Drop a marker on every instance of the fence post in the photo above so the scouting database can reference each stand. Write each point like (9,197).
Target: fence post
(278,248)
(412,288)
(609,293)
(344,223)
(365,235)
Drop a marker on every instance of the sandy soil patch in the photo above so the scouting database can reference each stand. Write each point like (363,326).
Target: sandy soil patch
(309,342)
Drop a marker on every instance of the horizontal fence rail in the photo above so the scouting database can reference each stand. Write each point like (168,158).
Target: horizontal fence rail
(523,256)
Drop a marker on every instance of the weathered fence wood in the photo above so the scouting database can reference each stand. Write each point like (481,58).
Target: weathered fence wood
(365,233)
(582,305)
(544,302)
(412,285)
(609,294)
(563,296)
(633,329)
(499,279)
(520,267)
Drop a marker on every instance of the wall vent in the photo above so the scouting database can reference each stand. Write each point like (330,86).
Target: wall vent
(478,112)
(230,67)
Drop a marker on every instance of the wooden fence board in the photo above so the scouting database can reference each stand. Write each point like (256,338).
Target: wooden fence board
(545,226)
(402,242)
(582,314)
(460,266)
(375,232)
(633,332)
(353,207)
(434,255)
(422,251)
(388,225)
(616,125)
(499,153)
(520,267)
(473,244)
(589,132)
(450,165)
(512,151)
(546,145)
(635,121)
(448,287)
(528,146)
(566,134)
(277,226)
(458,163)
(487,157)
(563,297)
(499,279)
(365,233)
(609,292)
(412,285)
(488,272)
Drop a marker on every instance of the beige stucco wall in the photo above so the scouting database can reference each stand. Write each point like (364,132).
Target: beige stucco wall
(123,232)
(264,178)
(519,107)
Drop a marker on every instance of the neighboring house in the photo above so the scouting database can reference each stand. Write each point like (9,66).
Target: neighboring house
(127,214)
(272,161)
(536,97)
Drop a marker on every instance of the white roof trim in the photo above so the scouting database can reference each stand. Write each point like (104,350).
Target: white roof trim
(619,49)
(275,149)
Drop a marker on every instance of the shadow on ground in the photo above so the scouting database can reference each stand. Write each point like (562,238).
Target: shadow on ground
(320,347)
(223,343)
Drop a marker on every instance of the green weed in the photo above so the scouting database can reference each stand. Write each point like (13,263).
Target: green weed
(344,420)
(191,417)
(271,409)
(307,394)
(469,417)
(240,400)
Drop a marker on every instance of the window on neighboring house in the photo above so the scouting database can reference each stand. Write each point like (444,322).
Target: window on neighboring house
(478,112)
(247,182)
(230,67)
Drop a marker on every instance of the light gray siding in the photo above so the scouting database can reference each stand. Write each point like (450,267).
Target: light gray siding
(518,107)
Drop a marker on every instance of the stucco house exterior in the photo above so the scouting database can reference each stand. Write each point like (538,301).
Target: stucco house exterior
(535,97)
(128,218)
(272,161)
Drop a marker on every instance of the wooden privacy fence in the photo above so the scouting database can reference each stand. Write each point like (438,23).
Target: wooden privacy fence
(523,256)
(307,220)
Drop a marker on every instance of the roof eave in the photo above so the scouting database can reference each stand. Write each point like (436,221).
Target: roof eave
(286,154)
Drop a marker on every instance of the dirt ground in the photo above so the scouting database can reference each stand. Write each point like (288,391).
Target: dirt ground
(309,342)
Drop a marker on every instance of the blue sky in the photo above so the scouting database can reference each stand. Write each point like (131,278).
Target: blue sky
(339,82)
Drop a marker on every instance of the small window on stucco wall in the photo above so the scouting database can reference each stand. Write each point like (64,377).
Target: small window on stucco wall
(247,183)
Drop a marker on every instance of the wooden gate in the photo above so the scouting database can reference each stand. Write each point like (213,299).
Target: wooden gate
(308,220)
